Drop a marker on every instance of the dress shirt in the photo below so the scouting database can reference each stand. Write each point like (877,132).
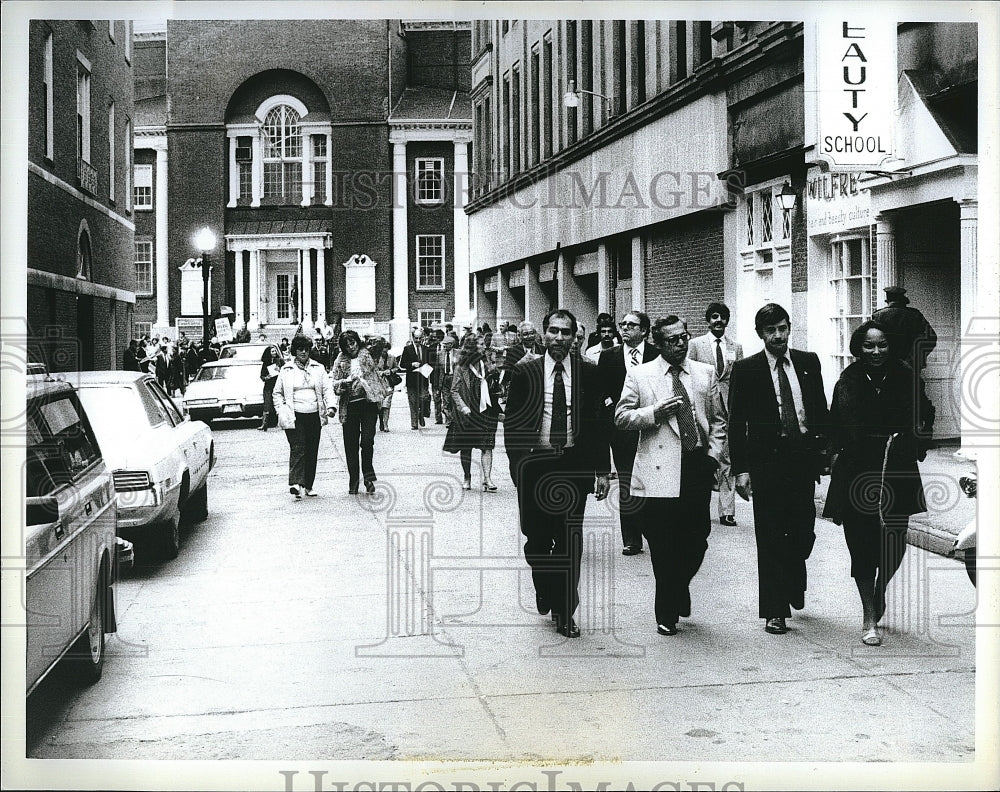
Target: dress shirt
(550,378)
(793,380)
(629,362)
(686,381)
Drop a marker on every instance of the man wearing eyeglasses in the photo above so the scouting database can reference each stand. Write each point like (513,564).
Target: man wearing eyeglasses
(672,402)
(719,350)
(777,420)
(612,367)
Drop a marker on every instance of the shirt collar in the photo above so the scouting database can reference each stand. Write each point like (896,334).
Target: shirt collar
(550,364)
(772,361)
(685,365)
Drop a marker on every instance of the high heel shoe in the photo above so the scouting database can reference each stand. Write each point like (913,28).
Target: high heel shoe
(489,487)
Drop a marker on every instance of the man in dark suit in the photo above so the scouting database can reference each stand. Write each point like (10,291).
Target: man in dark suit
(556,435)
(528,343)
(613,366)
(413,356)
(777,422)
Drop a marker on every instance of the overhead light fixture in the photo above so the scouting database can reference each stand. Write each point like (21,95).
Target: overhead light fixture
(572,97)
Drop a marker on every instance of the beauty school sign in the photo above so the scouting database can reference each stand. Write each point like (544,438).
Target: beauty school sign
(854,62)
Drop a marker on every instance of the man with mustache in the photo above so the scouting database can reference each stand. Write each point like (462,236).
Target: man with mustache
(720,351)
(777,421)
(556,436)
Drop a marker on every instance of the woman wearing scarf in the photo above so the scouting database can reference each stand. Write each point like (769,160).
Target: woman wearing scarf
(474,394)
(361,390)
(875,484)
(303,400)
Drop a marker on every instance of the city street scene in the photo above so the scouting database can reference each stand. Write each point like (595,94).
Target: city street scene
(460,401)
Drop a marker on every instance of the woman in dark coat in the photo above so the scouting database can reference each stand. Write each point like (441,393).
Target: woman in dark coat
(875,484)
(476,410)
(271,362)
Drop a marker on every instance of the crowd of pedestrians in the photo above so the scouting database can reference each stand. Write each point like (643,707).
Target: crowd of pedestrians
(677,416)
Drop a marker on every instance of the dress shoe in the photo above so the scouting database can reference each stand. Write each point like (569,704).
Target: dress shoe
(666,629)
(631,550)
(370,487)
(776,626)
(542,605)
(569,629)
(727,519)
(309,493)
(294,490)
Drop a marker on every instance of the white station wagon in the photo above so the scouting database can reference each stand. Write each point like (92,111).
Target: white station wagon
(159,457)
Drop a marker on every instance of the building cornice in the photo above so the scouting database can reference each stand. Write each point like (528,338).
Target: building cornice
(239,242)
(51,280)
(408,131)
(436,24)
(151,35)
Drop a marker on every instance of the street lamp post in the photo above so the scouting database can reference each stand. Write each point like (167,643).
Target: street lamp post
(204,241)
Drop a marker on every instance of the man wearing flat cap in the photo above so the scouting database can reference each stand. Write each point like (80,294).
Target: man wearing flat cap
(915,338)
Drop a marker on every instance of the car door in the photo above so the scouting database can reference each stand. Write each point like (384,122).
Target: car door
(192,438)
(69,490)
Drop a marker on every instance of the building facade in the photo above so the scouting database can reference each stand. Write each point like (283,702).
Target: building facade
(80,282)
(642,164)
(329,181)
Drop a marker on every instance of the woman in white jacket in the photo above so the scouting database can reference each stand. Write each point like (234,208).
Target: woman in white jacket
(303,398)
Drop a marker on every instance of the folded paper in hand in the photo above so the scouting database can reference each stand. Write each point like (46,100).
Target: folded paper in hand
(426,370)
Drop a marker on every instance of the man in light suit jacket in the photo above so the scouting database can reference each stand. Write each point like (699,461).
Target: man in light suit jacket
(414,356)
(556,437)
(612,366)
(720,351)
(673,403)
(777,425)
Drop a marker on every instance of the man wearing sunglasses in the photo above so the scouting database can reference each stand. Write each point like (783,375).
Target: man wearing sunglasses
(612,367)
(719,350)
(673,403)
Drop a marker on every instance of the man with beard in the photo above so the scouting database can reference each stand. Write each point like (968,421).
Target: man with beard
(720,351)
(556,437)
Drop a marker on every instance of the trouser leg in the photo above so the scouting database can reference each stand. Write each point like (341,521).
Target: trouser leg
(369,416)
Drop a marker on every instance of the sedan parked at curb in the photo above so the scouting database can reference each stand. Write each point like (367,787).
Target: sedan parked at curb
(160,458)
(226,389)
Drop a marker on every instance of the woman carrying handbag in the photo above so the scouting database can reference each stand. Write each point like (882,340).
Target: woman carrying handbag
(385,365)
(476,410)
(362,391)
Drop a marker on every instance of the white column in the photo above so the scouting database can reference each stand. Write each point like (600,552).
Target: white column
(306,169)
(885,252)
(257,170)
(162,254)
(329,169)
(974,304)
(240,318)
(234,174)
(305,292)
(603,279)
(535,301)
(400,324)
(253,321)
(461,241)
(321,283)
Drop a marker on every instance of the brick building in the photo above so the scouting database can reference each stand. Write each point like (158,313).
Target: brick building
(80,283)
(642,163)
(330,181)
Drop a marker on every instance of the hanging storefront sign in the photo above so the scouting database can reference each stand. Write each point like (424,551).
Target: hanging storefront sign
(855,83)
(835,202)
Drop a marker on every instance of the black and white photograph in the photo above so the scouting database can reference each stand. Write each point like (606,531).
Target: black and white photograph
(509,396)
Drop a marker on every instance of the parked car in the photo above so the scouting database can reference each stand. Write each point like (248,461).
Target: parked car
(160,458)
(70,517)
(248,351)
(229,388)
(964,547)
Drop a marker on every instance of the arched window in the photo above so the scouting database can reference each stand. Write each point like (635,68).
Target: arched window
(281,141)
(83,255)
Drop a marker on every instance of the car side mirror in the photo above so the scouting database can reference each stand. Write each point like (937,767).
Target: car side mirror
(41,511)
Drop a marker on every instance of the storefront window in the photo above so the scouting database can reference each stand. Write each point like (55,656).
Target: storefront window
(851,280)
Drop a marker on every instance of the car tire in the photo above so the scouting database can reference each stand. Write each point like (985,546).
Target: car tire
(170,538)
(87,654)
(196,508)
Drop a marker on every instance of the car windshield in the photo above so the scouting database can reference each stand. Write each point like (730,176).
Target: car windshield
(248,352)
(228,372)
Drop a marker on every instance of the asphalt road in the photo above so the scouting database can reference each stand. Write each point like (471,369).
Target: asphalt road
(403,627)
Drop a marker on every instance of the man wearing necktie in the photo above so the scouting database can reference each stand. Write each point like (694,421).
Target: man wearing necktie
(556,438)
(777,426)
(719,350)
(612,366)
(411,359)
(673,403)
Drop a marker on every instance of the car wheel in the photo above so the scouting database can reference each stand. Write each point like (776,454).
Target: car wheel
(170,538)
(88,653)
(197,504)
